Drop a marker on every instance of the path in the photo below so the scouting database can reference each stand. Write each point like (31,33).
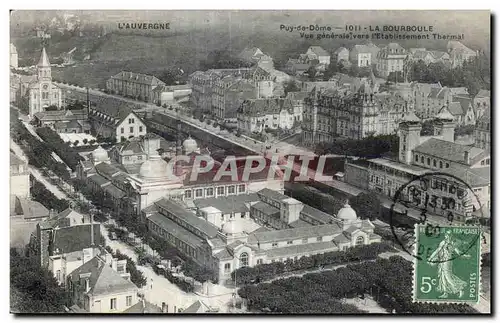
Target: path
(36,173)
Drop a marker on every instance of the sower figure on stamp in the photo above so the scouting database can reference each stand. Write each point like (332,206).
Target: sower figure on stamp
(448,283)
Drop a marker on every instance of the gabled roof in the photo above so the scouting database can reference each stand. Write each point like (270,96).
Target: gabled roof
(103,280)
(296,233)
(483,94)
(465,103)
(198,307)
(318,50)
(340,49)
(143,307)
(455,109)
(30,209)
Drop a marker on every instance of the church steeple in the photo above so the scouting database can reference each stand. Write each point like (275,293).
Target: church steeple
(43,67)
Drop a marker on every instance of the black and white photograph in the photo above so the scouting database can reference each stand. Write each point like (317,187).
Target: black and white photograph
(175,162)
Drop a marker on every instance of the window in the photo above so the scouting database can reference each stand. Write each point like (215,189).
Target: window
(244,260)
(259,262)
(416,158)
(139,157)
(58,275)
(440,164)
(304,240)
(275,245)
(289,242)
(199,192)
(45,95)
(482,162)
(131,120)
(428,161)
(209,191)
(140,128)
(122,130)
(220,190)
(187,194)
(231,189)
(87,285)
(227,268)
(447,165)
(112,304)
(319,239)
(487,161)
(131,129)
(422,159)
(127,158)
(360,240)
(434,163)
(129,300)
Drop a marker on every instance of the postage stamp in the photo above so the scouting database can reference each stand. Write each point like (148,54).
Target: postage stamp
(447,268)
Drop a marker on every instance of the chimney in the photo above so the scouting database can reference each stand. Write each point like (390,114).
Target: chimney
(466,157)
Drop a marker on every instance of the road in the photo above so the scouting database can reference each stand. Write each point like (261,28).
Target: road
(159,289)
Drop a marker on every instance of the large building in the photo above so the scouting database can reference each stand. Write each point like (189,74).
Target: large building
(135,85)
(247,230)
(318,53)
(146,177)
(116,122)
(419,155)
(353,114)
(39,92)
(428,56)
(341,54)
(391,59)
(273,113)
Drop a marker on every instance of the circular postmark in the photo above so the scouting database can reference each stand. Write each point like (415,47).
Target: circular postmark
(433,202)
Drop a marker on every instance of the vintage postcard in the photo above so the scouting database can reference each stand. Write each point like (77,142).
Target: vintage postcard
(250,162)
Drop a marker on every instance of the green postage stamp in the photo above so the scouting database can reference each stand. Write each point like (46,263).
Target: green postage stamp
(447,266)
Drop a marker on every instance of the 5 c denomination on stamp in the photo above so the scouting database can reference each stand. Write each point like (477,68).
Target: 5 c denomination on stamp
(448,269)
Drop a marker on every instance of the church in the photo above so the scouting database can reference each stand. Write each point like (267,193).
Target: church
(40,91)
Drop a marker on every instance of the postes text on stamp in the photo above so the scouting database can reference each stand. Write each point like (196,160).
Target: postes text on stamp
(448,266)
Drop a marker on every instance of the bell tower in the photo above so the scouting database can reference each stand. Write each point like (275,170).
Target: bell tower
(43,68)
(409,137)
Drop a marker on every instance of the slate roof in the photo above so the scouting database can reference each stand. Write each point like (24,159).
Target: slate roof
(317,214)
(107,170)
(143,307)
(340,49)
(138,78)
(299,249)
(67,125)
(114,191)
(74,238)
(465,102)
(227,204)
(455,108)
(176,230)
(261,107)
(267,209)
(275,195)
(296,233)
(318,50)
(208,177)
(475,177)
(99,180)
(447,150)
(483,94)
(197,307)
(61,115)
(103,279)
(204,226)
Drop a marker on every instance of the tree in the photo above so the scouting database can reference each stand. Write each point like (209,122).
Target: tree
(85,141)
(290,86)
(75,143)
(366,205)
(427,128)
(33,289)
(396,77)
(311,72)
(92,141)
